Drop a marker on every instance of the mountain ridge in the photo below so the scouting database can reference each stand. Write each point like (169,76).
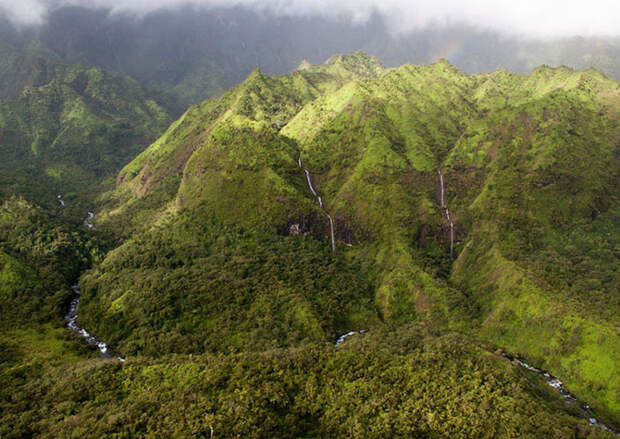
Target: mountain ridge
(373,151)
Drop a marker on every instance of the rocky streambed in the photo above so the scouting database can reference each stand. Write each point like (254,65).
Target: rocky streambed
(71,319)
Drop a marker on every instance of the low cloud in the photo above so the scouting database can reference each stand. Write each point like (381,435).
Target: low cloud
(542,18)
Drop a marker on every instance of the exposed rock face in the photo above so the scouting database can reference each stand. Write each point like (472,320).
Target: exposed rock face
(294,229)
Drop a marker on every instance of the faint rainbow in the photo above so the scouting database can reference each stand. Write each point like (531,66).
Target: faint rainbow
(452,51)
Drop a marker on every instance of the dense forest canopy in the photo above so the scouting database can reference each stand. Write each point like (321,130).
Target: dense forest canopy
(329,246)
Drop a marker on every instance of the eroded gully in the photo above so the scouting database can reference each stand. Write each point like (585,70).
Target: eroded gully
(71,319)
(447,212)
(343,337)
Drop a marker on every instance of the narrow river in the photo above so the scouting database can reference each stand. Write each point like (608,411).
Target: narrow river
(559,386)
(71,319)
(88,222)
(344,337)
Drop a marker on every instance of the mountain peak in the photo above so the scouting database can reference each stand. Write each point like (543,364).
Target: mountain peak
(355,65)
(304,65)
(444,64)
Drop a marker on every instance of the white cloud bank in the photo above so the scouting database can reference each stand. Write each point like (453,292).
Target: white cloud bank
(535,18)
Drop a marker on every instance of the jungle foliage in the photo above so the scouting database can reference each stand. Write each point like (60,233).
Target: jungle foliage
(210,267)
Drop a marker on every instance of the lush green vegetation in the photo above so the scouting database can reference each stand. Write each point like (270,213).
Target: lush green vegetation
(411,383)
(40,256)
(195,286)
(224,295)
(66,128)
(530,169)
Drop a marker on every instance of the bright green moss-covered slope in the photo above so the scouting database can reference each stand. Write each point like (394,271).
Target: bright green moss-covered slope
(530,172)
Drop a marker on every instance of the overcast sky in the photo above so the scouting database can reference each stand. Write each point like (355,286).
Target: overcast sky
(535,18)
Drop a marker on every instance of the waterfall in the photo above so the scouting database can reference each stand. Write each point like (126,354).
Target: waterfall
(451,233)
(320,201)
(331,228)
(443,205)
(310,182)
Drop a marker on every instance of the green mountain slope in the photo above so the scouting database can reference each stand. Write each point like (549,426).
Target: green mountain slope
(530,172)
(40,255)
(66,128)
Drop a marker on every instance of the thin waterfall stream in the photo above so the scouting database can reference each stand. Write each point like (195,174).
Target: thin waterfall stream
(447,212)
(320,201)
(343,337)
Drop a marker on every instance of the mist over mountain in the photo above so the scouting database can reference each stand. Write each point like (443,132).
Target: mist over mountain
(197,52)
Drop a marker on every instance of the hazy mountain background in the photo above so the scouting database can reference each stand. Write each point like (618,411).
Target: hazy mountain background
(198,52)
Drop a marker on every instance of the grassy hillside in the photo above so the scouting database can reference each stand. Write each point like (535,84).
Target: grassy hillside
(530,170)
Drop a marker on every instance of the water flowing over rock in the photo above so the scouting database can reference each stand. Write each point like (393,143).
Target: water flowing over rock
(310,184)
(71,319)
(320,201)
(559,386)
(344,337)
(447,212)
(88,222)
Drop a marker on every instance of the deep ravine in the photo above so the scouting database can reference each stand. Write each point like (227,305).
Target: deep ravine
(71,319)
(447,212)
(320,201)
